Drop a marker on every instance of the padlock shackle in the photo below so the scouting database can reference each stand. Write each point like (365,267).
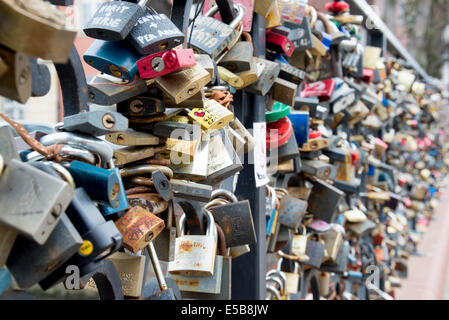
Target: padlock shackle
(145,169)
(274,291)
(224,193)
(238,18)
(221,241)
(62,171)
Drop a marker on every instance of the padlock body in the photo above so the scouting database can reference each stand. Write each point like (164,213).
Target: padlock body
(165,62)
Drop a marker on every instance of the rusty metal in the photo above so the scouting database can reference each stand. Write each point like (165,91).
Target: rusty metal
(152,202)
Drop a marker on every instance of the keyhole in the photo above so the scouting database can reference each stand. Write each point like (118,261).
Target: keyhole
(191,91)
(114,191)
(120,138)
(108,121)
(163,45)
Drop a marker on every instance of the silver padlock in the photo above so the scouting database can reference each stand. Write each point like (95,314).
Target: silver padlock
(195,254)
(31,200)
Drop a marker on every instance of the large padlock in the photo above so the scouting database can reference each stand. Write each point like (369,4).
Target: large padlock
(154,32)
(16,82)
(195,254)
(114,20)
(107,90)
(213,37)
(234,218)
(35,200)
(115,58)
(240,57)
(100,238)
(37,29)
(62,244)
(291,212)
(96,123)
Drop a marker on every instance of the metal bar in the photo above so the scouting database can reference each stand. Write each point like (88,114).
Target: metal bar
(248,271)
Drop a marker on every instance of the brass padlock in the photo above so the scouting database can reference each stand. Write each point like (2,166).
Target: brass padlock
(212,117)
(15,84)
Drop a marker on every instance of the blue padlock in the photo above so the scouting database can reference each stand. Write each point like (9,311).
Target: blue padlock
(116,58)
(327,40)
(102,185)
(300,122)
(355,275)
(5,280)
(371,170)
(123,204)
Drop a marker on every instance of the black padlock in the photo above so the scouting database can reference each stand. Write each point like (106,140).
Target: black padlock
(339,266)
(40,78)
(141,106)
(154,32)
(114,20)
(324,210)
(101,238)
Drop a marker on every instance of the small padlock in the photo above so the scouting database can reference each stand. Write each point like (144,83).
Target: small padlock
(240,57)
(284,91)
(162,63)
(138,227)
(291,212)
(154,32)
(108,90)
(292,278)
(196,170)
(212,117)
(279,43)
(267,72)
(195,254)
(8,149)
(230,78)
(213,37)
(141,106)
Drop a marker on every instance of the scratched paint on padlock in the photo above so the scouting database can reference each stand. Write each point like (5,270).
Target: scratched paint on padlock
(247,18)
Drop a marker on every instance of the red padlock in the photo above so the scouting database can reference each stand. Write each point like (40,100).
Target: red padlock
(284,131)
(279,43)
(368,75)
(321,89)
(314,134)
(165,62)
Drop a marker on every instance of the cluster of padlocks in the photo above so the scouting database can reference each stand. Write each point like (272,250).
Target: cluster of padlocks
(353,146)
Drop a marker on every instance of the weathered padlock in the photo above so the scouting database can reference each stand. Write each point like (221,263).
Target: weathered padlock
(16,82)
(33,209)
(184,84)
(100,238)
(62,244)
(324,210)
(154,32)
(154,203)
(240,57)
(40,78)
(230,78)
(196,170)
(291,212)
(164,244)
(279,43)
(162,63)
(138,227)
(131,138)
(234,218)
(195,254)
(131,271)
(115,58)
(37,29)
(292,278)
(191,190)
(8,149)
(114,20)
(96,123)
(284,91)
(127,155)
(108,90)
(213,37)
(319,169)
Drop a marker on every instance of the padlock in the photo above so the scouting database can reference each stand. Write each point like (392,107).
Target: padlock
(138,227)
(115,58)
(141,106)
(213,37)
(279,43)
(176,130)
(5,280)
(341,262)
(236,125)
(284,91)
(319,169)
(321,89)
(191,190)
(184,84)
(195,254)
(291,212)
(127,155)
(267,72)
(96,123)
(8,149)
(342,98)
(100,239)
(289,72)
(101,185)
(154,203)
(113,21)
(105,280)
(362,228)
(250,76)
(235,219)
(225,279)
(107,90)
(62,244)
(208,64)
(32,209)
(40,78)
(181,151)
(164,244)
(132,138)
(16,83)
(333,240)
(212,117)
(223,161)
(196,170)
(300,123)
(154,32)
(324,210)
(36,29)
(315,250)
(240,57)
(131,271)
(162,63)
(300,34)
(292,278)
(121,199)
